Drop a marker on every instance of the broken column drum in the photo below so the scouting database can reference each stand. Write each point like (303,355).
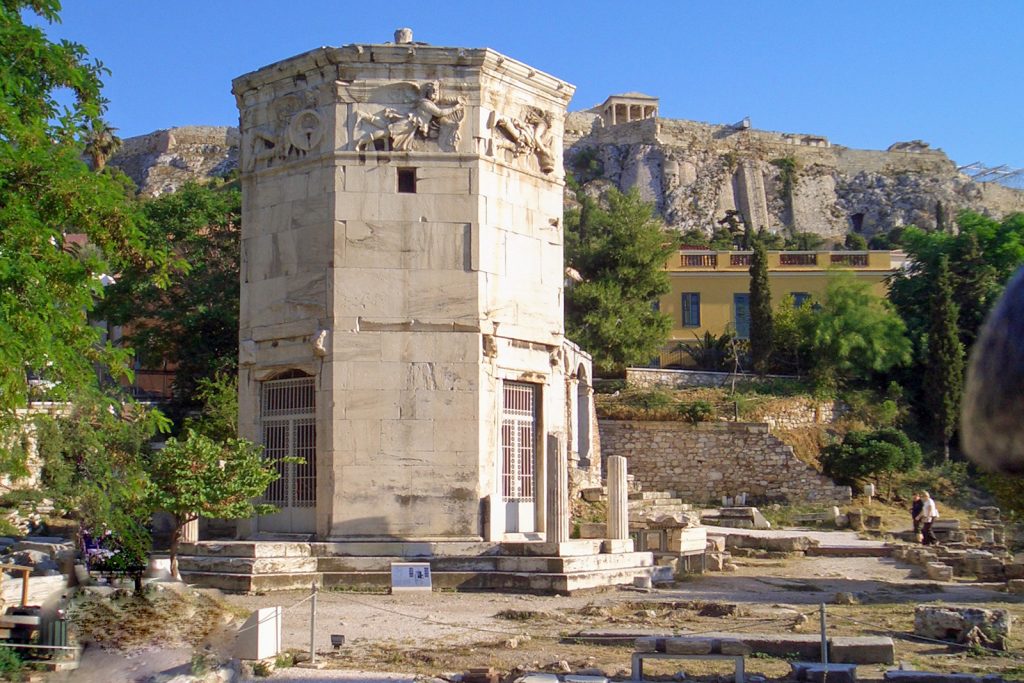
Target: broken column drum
(402,342)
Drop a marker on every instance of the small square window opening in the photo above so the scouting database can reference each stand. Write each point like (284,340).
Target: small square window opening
(407,180)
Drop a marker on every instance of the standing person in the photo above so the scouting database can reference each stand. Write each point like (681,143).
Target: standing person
(916,506)
(929,513)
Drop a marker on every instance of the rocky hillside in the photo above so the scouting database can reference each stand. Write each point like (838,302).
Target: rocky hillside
(163,161)
(694,173)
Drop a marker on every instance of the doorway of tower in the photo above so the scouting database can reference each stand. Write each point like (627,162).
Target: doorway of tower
(288,429)
(518,456)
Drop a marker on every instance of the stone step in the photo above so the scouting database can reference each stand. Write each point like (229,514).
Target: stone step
(533,582)
(232,582)
(653,510)
(663,502)
(581,546)
(649,495)
(277,549)
(407,549)
(529,582)
(246,565)
(525,564)
(251,549)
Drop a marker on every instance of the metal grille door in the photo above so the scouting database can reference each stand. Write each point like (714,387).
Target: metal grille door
(287,415)
(518,442)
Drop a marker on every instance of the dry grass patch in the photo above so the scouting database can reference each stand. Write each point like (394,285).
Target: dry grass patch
(129,621)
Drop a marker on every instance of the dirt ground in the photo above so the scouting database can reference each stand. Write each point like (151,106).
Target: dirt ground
(441,633)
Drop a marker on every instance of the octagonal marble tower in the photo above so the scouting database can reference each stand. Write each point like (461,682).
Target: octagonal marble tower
(402,349)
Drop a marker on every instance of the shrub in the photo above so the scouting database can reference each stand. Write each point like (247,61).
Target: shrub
(863,454)
(698,411)
(11,666)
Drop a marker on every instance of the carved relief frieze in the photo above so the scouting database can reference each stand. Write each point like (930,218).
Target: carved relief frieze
(417,115)
(526,137)
(293,129)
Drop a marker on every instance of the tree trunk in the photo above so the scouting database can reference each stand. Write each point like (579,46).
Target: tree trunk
(175,541)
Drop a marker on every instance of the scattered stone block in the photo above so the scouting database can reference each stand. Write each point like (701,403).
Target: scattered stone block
(956,623)
(938,571)
(715,562)
(687,540)
(862,650)
(855,519)
(617,545)
(1015,585)
(481,675)
(648,644)
(583,678)
(873,522)
(689,646)
(593,495)
(816,672)
(988,512)
(593,530)
(538,678)
(935,677)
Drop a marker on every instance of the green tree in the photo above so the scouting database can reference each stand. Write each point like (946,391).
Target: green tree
(218,418)
(198,477)
(620,251)
(47,286)
(982,257)
(944,364)
(100,144)
(191,321)
(804,241)
(976,286)
(856,333)
(761,334)
(792,329)
(93,465)
(855,242)
(861,455)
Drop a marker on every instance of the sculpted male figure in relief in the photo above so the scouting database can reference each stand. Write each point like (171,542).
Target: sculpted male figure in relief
(428,119)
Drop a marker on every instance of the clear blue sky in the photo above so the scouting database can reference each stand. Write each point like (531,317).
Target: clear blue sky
(864,73)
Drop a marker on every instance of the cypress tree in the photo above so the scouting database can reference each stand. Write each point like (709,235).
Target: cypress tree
(944,362)
(976,286)
(761,333)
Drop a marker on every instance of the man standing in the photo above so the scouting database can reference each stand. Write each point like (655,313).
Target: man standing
(929,513)
(916,506)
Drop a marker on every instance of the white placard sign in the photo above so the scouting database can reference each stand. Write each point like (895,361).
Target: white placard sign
(410,576)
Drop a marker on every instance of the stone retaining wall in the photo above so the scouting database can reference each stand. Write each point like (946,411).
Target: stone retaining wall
(703,462)
(800,412)
(650,378)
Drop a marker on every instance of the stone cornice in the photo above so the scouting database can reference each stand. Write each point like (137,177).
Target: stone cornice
(327,60)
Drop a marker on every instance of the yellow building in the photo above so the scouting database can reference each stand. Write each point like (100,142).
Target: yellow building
(711,289)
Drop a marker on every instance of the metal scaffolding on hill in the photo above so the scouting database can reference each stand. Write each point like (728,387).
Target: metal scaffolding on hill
(1003,174)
